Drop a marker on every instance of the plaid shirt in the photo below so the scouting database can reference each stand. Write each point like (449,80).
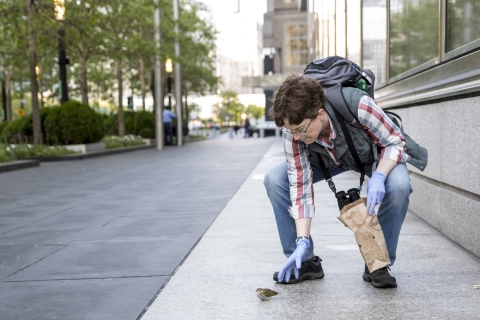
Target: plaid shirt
(300,175)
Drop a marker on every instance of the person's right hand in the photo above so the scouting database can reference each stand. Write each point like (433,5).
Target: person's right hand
(375,190)
(294,261)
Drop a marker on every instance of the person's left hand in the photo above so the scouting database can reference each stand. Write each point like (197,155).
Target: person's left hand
(294,261)
(375,190)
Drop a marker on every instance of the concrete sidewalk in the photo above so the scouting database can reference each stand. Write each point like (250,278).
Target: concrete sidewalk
(98,238)
(241,250)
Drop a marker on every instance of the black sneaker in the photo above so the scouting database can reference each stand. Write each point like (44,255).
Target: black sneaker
(310,270)
(380,278)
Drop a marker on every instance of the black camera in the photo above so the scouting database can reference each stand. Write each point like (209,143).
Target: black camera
(343,198)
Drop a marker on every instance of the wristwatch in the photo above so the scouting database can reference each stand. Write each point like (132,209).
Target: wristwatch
(302,237)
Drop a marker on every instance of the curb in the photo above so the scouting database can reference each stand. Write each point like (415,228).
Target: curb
(19,164)
(90,154)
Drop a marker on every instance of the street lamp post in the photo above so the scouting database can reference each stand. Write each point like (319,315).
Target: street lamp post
(169,70)
(62,57)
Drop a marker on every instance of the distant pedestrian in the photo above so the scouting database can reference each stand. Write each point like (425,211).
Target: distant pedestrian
(236,128)
(247,128)
(168,116)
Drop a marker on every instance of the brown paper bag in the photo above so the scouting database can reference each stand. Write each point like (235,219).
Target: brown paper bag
(368,233)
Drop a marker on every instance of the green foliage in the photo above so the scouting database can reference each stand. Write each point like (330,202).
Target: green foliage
(3,125)
(229,106)
(18,130)
(6,154)
(255,111)
(144,124)
(22,151)
(98,33)
(73,123)
(110,123)
(121,142)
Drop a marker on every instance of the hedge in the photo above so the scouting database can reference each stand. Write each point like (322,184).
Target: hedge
(73,123)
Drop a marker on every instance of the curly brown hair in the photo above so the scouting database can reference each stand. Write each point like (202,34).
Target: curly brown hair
(297,99)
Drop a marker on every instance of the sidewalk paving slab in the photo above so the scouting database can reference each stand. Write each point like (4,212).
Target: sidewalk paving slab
(98,238)
(241,250)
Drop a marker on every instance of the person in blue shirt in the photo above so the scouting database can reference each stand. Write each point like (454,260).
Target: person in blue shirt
(168,116)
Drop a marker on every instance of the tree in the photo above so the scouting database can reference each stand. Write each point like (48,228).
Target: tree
(255,111)
(197,43)
(85,28)
(229,106)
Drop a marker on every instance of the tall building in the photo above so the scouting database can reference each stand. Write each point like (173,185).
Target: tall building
(290,41)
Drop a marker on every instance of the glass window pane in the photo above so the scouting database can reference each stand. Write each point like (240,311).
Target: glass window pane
(340,28)
(463,23)
(304,58)
(302,44)
(292,45)
(296,43)
(302,30)
(291,30)
(414,33)
(375,38)
(331,28)
(354,36)
(290,61)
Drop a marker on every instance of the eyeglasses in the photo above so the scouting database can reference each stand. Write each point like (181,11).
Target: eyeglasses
(300,133)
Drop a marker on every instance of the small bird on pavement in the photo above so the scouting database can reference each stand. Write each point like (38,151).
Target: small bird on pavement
(265,294)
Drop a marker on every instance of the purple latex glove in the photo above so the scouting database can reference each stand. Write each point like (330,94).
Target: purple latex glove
(294,261)
(375,190)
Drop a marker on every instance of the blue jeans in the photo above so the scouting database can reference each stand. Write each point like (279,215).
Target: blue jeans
(391,213)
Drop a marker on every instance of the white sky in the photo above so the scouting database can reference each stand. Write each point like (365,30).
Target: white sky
(238,31)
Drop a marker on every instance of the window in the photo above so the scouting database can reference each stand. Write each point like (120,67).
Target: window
(375,38)
(463,24)
(296,44)
(354,36)
(414,34)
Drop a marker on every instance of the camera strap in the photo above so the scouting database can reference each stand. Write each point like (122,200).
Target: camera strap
(326,174)
(353,151)
(351,147)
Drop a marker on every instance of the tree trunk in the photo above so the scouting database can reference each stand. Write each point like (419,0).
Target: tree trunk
(142,81)
(121,122)
(8,85)
(83,75)
(32,47)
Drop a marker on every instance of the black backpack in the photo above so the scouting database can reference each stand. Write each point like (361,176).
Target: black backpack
(336,72)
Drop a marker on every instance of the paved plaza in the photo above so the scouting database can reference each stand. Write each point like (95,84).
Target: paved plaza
(189,233)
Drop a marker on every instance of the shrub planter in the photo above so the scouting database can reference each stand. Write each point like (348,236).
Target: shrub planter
(87,147)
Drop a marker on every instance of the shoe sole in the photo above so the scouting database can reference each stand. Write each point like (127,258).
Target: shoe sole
(379,285)
(314,276)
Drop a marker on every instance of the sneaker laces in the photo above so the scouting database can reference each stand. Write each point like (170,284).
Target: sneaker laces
(383,270)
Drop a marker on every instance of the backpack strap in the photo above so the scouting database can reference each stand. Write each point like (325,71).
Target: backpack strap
(335,98)
(351,147)
(393,114)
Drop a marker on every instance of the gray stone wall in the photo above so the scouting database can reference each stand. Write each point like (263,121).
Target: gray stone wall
(447,194)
